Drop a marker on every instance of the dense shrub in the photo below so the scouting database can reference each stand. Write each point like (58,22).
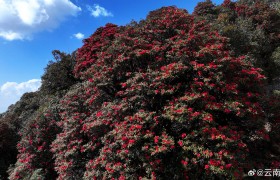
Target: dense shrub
(8,150)
(164,98)
(11,123)
(272,106)
(159,99)
(204,8)
(35,158)
(252,27)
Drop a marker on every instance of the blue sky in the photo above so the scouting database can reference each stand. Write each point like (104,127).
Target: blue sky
(31,29)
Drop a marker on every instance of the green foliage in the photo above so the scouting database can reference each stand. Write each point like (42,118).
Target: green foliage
(11,124)
(58,75)
(8,141)
(276,56)
(276,5)
(205,8)
(37,174)
(271,108)
(35,158)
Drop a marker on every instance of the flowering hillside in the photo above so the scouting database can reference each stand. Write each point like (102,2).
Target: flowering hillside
(165,98)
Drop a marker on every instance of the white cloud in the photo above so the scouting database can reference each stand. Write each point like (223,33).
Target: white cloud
(97,11)
(11,35)
(79,35)
(19,19)
(10,92)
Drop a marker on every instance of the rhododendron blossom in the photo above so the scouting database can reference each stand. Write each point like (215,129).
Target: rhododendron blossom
(158,99)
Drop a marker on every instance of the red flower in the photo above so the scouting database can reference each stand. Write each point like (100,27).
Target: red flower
(156,139)
(131,141)
(228,166)
(123,85)
(179,111)
(195,114)
(98,114)
(122,177)
(40,148)
(184,162)
(227,111)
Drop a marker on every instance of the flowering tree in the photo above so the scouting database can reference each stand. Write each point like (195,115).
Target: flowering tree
(162,98)
(158,99)
(252,27)
(35,160)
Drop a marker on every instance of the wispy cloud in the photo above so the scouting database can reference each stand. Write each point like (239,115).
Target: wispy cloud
(10,92)
(19,19)
(79,35)
(97,11)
